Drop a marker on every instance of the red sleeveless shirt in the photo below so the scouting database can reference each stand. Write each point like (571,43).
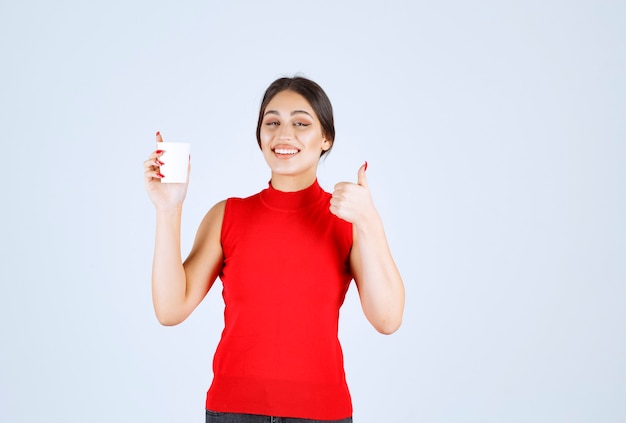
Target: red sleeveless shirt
(285,276)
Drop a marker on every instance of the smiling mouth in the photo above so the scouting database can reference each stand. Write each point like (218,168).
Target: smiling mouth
(286,151)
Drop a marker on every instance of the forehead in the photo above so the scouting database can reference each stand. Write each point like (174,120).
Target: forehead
(289,101)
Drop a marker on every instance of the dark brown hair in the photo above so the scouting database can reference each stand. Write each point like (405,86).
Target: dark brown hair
(313,93)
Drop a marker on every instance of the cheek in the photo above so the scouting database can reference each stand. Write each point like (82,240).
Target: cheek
(265,139)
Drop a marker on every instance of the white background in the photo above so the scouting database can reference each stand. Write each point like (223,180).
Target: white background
(495,134)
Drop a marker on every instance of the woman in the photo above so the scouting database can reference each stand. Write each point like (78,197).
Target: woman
(285,257)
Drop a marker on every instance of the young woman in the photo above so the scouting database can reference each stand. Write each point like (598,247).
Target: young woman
(286,257)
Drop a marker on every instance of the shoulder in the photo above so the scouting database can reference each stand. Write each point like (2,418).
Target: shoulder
(225,211)
(240,203)
(218,209)
(214,217)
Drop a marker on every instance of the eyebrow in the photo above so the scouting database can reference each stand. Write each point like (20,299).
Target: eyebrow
(295,112)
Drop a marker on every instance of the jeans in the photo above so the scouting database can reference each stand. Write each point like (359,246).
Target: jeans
(217,417)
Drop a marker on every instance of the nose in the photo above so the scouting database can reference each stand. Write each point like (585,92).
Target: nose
(285,132)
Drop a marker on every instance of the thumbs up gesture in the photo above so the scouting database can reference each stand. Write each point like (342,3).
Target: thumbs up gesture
(353,202)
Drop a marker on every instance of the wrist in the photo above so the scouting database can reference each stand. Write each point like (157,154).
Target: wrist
(368,222)
(169,212)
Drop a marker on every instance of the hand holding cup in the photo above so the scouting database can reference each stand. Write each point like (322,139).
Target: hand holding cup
(166,173)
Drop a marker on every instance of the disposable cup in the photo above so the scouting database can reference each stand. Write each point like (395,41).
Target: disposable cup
(175,161)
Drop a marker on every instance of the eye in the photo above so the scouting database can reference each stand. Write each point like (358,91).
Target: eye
(272,123)
(303,124)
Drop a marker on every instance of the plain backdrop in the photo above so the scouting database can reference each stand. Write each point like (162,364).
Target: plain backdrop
(495,135)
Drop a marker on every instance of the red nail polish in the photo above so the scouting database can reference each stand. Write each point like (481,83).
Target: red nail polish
(158,133)
(160,175)
(365,165)
(159,162)
(159,151)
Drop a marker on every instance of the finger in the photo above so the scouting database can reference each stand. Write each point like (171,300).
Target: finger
(152,174)
(159,138)
(153,161)
(362,179)
(336,197)
(342,186)
(154,156)
(150,163)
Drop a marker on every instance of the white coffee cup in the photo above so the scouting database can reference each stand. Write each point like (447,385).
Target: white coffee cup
(175,159)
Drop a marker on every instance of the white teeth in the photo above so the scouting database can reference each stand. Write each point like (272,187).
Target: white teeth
(285,151)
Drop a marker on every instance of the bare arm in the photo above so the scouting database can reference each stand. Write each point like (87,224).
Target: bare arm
(177,287)
(378,280)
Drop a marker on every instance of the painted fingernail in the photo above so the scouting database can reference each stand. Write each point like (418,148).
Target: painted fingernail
(365,165)
(158,162)
(158,133)
(160,175)
(159,151)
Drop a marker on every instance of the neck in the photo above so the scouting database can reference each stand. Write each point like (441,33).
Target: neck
(291,183)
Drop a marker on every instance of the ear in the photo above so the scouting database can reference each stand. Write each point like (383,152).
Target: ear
(326,144)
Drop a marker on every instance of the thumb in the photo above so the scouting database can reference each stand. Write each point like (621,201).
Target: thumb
(362,179)
(159,138)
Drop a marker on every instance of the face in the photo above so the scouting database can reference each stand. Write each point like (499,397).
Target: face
(291,136)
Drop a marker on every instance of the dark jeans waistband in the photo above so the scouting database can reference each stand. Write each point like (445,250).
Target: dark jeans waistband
(218,417)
